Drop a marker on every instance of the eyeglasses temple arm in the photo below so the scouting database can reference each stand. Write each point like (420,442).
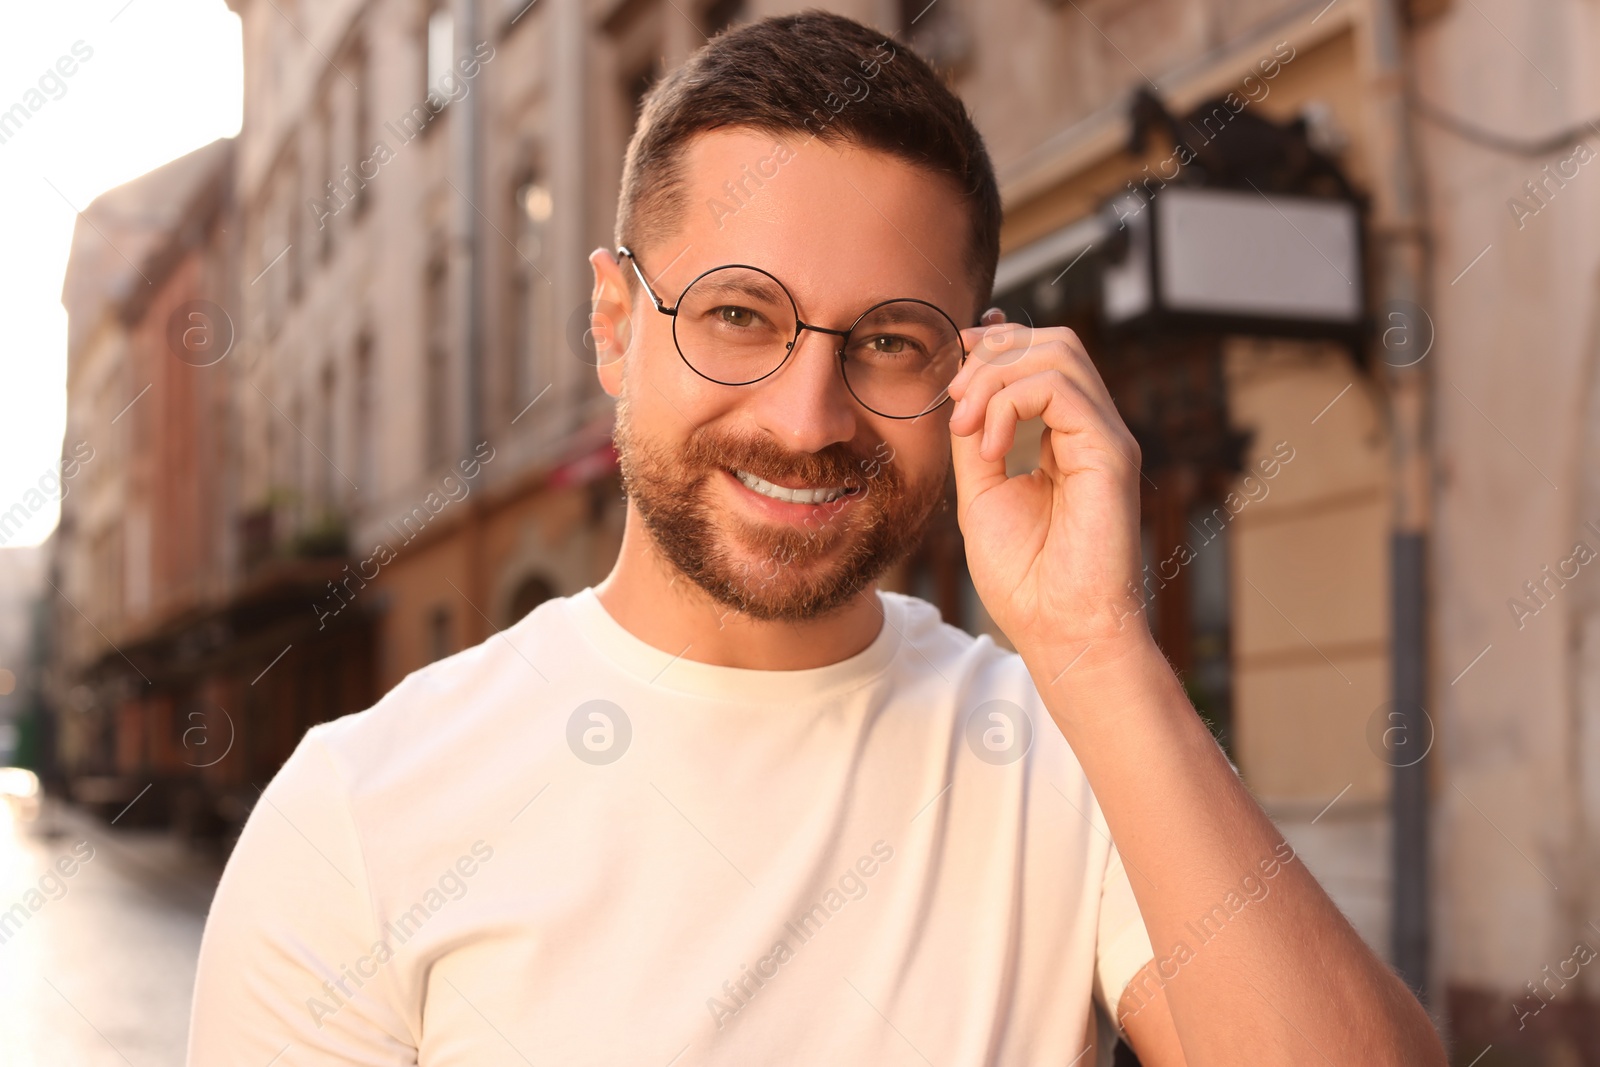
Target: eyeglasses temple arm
(622,250)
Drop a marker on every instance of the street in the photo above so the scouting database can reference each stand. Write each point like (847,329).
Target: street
(99,932)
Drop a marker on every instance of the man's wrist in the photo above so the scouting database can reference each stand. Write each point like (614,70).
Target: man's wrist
(1103,660)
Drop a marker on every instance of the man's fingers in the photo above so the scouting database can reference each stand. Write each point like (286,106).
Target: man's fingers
(1057,399)
(991,345)
(993,363)
(974,474)
(1047,455)
(975,396)
(1010,351)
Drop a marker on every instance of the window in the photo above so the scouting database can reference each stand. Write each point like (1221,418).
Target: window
(938,30)
(297,462)
(531,592)
(635,86)
(326,422)
(276,272)
(436,370)
(325,191)
(274,227)
(513,10)
(1210,678)
(721,14)
(366,447)
(441,56)
(269,446)
(912,12)
(532,296)
(637,29)
(294,259)
(362,140)
(438,633)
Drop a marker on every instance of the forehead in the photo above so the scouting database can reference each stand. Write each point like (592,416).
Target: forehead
(840,226)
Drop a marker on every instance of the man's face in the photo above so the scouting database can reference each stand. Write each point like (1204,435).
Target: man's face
(706,465)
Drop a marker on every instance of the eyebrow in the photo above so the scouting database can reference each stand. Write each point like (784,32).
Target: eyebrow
(900,309)
(752,287)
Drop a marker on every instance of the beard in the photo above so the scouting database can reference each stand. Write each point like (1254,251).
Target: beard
(774,571)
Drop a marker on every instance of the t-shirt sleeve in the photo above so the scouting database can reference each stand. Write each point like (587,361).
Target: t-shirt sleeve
(1123,944)
(291,920)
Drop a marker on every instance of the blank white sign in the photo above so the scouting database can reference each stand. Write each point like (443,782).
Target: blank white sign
(1221,252)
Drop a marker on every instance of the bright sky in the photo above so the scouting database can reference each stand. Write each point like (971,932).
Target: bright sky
(165,77)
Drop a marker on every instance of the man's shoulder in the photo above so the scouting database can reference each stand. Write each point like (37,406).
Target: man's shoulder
(982,678)
(459,702)
(977,659)
(922,620)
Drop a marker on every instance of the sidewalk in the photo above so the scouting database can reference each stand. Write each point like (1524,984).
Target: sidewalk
(96,966)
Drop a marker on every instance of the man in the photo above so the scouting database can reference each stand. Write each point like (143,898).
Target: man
(736,805)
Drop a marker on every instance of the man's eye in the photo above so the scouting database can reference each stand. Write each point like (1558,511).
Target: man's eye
(732,315)
(889,344)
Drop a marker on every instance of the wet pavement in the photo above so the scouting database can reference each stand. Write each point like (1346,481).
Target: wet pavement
(99,932)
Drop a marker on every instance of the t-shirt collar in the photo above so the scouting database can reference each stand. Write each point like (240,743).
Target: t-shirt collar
(677,672)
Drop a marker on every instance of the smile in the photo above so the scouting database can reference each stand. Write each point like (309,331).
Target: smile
(790,496)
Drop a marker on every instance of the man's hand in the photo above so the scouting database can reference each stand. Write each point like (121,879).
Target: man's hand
(1054,553)
(1055,556)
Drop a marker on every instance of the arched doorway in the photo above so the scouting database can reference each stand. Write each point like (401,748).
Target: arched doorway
(530,593)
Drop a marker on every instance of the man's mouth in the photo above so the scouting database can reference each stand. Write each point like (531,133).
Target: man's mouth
(820,495)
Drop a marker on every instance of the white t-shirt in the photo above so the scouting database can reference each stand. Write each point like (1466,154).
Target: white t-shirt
(566,846)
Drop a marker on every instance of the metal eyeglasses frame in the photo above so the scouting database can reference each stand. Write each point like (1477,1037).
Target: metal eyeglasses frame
(800,325)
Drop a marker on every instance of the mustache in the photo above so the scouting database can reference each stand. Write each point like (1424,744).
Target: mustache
(836,464)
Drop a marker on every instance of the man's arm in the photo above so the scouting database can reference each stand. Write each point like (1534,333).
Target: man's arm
(1149,1025)
(1280,976)
(287,972)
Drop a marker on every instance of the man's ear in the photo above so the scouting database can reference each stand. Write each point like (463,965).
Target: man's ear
(610,319)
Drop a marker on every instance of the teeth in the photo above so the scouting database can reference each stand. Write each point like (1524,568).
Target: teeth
(792,496)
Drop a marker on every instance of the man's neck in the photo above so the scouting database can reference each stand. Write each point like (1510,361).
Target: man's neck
(651,600)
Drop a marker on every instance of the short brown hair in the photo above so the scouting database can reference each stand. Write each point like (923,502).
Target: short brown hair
(802,73)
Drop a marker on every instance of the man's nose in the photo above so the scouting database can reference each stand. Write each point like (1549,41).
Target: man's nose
(806,405)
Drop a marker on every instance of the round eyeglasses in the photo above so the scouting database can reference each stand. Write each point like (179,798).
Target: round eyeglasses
(736,324)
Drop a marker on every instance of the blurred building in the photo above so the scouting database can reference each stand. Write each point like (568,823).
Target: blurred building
(21,583)
(410,176)
(1396,628)
(141,545)
(1322,252)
